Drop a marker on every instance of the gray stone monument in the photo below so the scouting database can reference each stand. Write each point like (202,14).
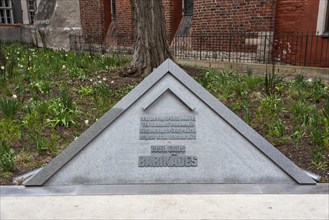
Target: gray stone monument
(169,130)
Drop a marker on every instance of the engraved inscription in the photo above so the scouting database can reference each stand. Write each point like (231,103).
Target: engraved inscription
(167,161)
(167,128)
(167,149)
(168,156)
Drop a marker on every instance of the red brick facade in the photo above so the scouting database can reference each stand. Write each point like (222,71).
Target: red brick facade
(305,47)
(96,18)
(209,16)
(296,15)
(92,19)
(173,15)
(213,17)
(124,22)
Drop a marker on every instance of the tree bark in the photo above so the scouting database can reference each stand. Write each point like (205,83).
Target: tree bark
(150,36)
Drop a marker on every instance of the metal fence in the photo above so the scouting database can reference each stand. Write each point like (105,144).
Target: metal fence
(301,49)
(99,43)
(229,47)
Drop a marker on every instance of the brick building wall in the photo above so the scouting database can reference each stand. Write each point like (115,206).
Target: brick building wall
(92,20)
(173,16)
(303,47)
(124,22)
(209,16)
(296,15)
(96,19)
(218,16)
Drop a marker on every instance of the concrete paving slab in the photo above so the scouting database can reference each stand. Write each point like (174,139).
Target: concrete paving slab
(246,206)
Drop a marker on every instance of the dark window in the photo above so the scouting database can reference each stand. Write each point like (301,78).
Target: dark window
(114,12)
(188,7)
(6,12)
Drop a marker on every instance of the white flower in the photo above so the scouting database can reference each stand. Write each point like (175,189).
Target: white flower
(14,96)
(91,80)
(309,80)
(112,82)
(87,122)
(98,77)
(64,66)
(2,67)
(104,79)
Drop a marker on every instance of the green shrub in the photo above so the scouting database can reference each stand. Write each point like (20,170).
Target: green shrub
(7,157)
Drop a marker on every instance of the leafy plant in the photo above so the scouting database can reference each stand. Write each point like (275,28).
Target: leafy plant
(10,66)
(319,131)
(301,111)
(325,110)
(205,80)
(32,124)
(65,98)
(318,158)
(296,137)
(253,82)
(271,80)
(85,91)
(102,89)
(319,90)
(9,107)
(276,128)
(42,86)
(44,145)
(299,88)
(9,130)
(7,157)
(246,107)
(62,113)
(270,107)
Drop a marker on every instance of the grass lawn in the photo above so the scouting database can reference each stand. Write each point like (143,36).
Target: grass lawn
(48,98)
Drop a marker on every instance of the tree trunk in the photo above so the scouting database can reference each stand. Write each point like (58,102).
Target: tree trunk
(150,36)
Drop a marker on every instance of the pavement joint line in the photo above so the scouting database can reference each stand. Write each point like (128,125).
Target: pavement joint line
(164,189)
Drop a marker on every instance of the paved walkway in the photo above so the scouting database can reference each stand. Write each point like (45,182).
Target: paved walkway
(224,206)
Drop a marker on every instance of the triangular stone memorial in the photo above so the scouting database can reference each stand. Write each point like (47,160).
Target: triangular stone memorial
(169,129)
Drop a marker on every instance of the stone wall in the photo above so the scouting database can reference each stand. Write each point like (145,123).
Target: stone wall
(12,33)
(55,20)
